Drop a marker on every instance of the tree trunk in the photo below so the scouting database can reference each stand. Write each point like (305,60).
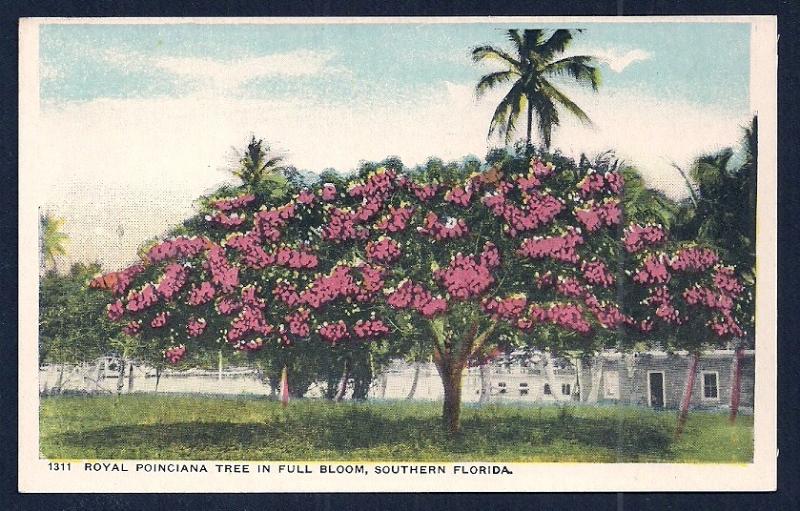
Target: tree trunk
(414,382)
(687,395)
(219,366)
(485,384)
(343,382)
(736,390)
(578,391)
(121,376)
(130,378)
(530,124)
(158,378)
(451,408)
(597,377)
(56,389)
(285,387)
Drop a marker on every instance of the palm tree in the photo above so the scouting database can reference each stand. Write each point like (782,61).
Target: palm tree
(533,67)
(52,239)
(254,166)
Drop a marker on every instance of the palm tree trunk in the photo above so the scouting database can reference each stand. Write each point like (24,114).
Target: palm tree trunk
(414,382)
(737,384)
(530,123)
(687,395)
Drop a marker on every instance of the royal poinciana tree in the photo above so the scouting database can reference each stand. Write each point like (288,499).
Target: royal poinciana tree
(538,250)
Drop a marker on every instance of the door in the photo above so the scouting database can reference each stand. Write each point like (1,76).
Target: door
(656,389)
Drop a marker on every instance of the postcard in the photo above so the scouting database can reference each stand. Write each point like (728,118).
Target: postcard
(397,254)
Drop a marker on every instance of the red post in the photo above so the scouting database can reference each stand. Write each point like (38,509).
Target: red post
(736,390)
(285,387)
(687,395)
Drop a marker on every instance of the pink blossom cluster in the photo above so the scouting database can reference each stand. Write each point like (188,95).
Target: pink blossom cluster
(509,308)
(298,322)
(181,246)
(385,250)
(269,222)
(196,327)
(442,231)
(608,315)
(115,310)
(160,320)
(334,333)
(570,287)
(528,182)
(569,316)
(328,192)
(343,226)
(699,295)
(301,259)
(227,221)
(415,296)
(460,195)
(638,237)
(596,272)
(540,210)
(371,282)
(326,288)
(726,327)
(175,353)
(200,295)
(541,169)
(125,277)
(693,259)
(133,328)
(595,182)
(239,202)
(249,320)
(250,298)
(423,192)
(370,328)
(379,184)
(490,255)
(305,197)
(227,306)
(287,293)
(465,277)
(560,248)
(661,299)
(653,271)
(253,254)
(594,217)
(223,274)
(396,220)
(725,280)
(172,281)
(141,300)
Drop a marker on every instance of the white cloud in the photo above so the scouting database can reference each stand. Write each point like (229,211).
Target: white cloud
(616,59)
(124,170)
(225,75)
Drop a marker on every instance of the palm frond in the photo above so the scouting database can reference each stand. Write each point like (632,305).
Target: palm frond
(499,121)
(552,92)
(490,53)
(556,43)
(490,80)
(580,67)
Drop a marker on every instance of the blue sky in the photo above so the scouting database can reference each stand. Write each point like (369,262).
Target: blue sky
(141,119)
(704,63)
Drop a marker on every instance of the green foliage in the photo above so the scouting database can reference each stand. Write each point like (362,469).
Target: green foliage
(73,326)
(51,238)
(172,427)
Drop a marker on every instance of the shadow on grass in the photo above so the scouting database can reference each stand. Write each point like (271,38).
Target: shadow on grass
(334,435)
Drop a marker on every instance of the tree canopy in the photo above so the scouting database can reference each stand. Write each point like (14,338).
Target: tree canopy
(535,247)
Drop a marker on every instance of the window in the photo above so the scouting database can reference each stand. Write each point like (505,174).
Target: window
(710,385)
(502,386)
(611,385)
(565,389)
(547,390)
(523,389)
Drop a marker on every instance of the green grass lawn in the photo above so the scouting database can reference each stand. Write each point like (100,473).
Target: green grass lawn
(250,428)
